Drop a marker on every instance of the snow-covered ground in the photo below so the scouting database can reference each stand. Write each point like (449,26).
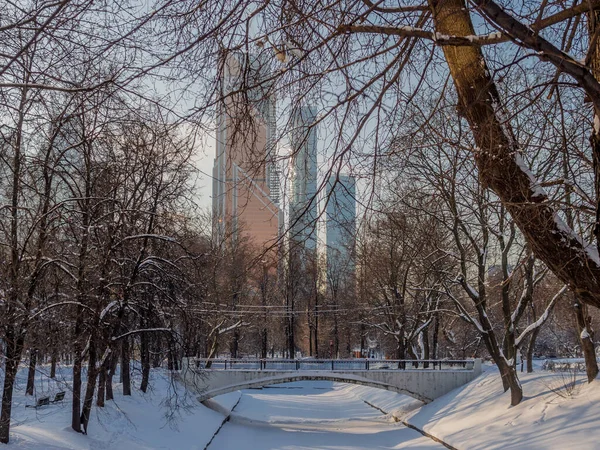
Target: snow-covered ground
(319,415)
(552,415)
(312,415)
(478,415)
(165,418)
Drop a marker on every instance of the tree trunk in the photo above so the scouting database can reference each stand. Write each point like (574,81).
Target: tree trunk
(497,157)
(31,372)
(103,374)
(426,355)
(125,373)
(336,335)
(114,359)
(316,338)
(14,346)
(172,356)
(77,362)
(235,342)
(586,337)
(156,350)
(264,343)
(508,372)
(531,349)
(145,359)
(53,360)
(435,337)
(90,386)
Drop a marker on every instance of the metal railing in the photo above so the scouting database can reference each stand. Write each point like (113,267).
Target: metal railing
(333,364)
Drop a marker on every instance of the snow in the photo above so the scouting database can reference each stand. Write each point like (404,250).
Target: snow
(542,319)
(318,414)
(590,249)
(137,422)
(536,190)
(314,415)
(585,334)
(478,416)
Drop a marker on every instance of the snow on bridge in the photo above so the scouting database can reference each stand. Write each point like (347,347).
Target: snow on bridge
(423,380)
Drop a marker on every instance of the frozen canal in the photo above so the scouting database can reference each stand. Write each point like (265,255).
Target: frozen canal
(312,415)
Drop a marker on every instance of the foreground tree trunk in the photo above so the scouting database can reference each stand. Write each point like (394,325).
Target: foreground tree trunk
(14,347)
(53,361)
(586,338)
(31,372)
(498,155)
(531,349)
(103,373)
(90,386)
(145,359)
(114,359)
(77,363)
(125,373)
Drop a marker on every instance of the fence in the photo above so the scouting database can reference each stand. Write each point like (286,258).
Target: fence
(332,364)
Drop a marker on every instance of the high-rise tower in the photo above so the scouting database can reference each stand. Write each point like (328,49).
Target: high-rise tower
(303,201)
(245,179)
(341,224)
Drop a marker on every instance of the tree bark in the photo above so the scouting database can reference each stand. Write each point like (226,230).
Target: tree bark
(77,363)
(435,338)
(497,157)
(102,375)
(53,361)
(586,338)
(125,373)
(31,372)
(14,346)
(426,350)
(145,360)
(114,359)
(264,343)
(531,349)
(90,386)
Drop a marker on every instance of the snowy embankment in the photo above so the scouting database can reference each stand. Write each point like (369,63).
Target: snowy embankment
(475,416)
(165,417)
(552,415)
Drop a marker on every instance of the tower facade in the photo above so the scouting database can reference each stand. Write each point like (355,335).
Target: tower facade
(245,178)
(341,224)
(303,206)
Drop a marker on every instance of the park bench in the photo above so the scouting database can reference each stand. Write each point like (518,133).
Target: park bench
(59,397)
(42,401)
(45,401)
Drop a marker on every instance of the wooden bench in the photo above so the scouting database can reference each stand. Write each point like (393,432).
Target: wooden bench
(42,401)
(45,401)
(59,397)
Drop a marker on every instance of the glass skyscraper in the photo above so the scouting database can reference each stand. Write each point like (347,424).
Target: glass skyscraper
(245,179)
(303,202)
(341,223)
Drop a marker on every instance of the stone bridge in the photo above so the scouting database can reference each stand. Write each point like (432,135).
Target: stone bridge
(423,380)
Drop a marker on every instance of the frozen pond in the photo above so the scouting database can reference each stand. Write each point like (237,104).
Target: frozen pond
(312,415)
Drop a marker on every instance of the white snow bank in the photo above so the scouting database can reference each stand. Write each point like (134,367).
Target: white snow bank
(397,405)
(165,417)
(478,415)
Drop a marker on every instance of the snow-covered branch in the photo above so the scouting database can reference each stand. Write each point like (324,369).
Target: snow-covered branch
(542,319)
(143,330)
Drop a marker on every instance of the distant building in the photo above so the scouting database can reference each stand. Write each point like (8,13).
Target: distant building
(303,200)
(341,224)
(246,188)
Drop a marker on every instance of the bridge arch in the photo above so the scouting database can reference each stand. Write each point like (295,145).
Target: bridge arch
(424,384)
(289,378)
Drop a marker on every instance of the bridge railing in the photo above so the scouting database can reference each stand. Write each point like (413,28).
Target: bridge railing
(333,364)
